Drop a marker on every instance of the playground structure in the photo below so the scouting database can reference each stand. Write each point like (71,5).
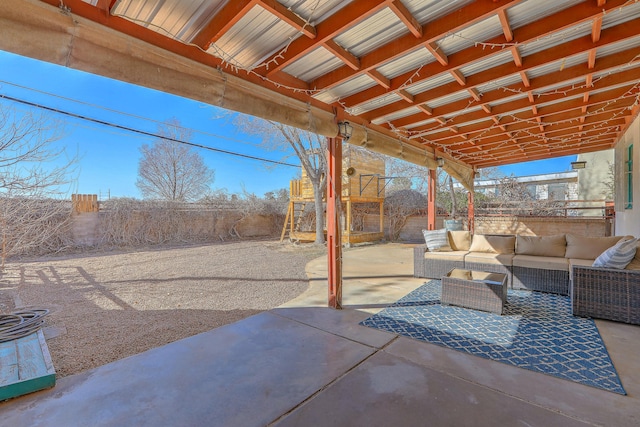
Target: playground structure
(363,182)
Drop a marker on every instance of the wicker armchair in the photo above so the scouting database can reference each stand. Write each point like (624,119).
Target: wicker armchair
(606,293)
(430,268)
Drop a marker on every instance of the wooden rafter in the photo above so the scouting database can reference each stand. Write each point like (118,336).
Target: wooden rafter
(353,13)
(437,29)
(406,17)
(551,55)
(540,84)
(528,33)
(227,17)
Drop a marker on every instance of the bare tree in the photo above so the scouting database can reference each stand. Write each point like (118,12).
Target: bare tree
(170,170)
(310,148)
(34,173)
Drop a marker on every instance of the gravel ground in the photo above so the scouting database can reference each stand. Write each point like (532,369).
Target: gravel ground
(108,306)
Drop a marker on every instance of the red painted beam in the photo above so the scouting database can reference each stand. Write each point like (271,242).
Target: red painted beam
(334,239)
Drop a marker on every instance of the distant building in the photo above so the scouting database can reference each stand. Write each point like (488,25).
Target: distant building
(552,186)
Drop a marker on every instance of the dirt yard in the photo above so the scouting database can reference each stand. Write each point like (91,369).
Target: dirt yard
(108,306)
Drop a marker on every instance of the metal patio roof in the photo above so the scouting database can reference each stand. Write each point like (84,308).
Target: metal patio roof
(487,83)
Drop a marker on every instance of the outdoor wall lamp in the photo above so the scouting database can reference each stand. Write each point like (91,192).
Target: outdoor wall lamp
(440,161)
(345,129)
(578,165)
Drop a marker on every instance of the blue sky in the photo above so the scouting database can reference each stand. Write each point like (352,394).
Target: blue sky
(109,157)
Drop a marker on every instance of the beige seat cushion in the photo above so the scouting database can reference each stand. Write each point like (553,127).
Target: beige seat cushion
(553,246)
(588,247)
(493,244)
(448,256)
(459,240)
(543,262)
(487,258)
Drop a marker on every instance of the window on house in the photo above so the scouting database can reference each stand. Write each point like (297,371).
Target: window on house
(557,191)
(628,203)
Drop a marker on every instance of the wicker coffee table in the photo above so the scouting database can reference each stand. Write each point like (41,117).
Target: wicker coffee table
(478,290)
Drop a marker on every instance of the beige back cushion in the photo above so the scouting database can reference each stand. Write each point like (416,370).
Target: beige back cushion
(588,247)
(459,240)
(549,246)
(635,262)
(493,244)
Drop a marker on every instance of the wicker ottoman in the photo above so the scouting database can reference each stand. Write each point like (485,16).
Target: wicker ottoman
(478,290)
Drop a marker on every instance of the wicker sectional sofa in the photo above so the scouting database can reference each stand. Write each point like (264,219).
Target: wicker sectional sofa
(560,264)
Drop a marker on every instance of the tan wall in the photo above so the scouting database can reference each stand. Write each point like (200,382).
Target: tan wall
(596,227)
(90,228)
(592,179)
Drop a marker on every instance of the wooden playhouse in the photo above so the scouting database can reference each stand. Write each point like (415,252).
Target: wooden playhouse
(363,190)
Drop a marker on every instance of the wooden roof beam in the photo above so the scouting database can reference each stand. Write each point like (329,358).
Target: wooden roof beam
(425,109)
(437,53)
(528,33)
(506,27)
(379,78)
(517,59)
(550,55)
(519,122)
(106,5)
(289,17)
(405,95)
(607,63)
(460,78)
(227,17)
(342,54)
(591,62)
(406,17)
(467,15)
(596,29)
(475,94)
(348,16)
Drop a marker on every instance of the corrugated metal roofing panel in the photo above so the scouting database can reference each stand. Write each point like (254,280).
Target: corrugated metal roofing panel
(558,66)
(621,46)
(421,123)
(253,38)
(429,10)
(313,65)
(507,99)
(500,83)
(397,115)
(502,57)
(532,10)
(430,83)
(375,103)
(355,85)
(469,109)
(372,33)
(314,11)
(554,39)
(471,36)
(180,19)
(621,15)
(453,97)
(411,61)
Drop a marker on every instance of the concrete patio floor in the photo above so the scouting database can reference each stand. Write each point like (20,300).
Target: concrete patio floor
(303,364)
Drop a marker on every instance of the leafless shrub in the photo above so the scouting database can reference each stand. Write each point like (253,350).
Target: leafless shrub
(399,206)
(34,226)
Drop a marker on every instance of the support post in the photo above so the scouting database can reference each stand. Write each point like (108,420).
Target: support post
(334,241)
(431,201)
(472,223)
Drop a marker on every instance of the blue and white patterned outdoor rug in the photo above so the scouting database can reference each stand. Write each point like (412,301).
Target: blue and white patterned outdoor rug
(537,332)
